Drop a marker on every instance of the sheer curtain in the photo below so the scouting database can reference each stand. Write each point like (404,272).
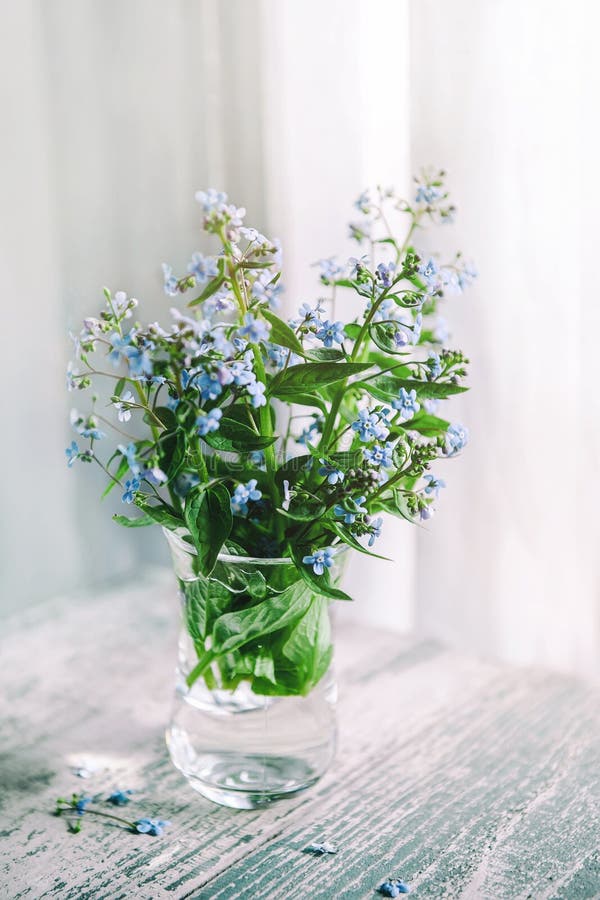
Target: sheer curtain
(115,112)
(505,96)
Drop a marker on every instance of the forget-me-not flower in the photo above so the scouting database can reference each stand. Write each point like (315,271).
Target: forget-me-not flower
(256,389)
(122,407)
(330,332)
(130,488)
(170,282)
(120,344)
(456,438)
(72,453)
(379,455)
(320,560)
(130,453)
(243,494)
(120,798)
(151,826)
(427,193)
(434,485)
(372,426)
(331,472)
(254,330)
(350,510)
(202,267)
(407,404)
(208,422)
(375,527)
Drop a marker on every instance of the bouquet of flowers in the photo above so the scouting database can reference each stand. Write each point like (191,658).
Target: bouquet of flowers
(255,436)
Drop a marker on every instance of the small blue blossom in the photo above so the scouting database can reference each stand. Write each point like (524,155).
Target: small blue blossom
(255,330)
(151,826)
(208,422)
(81,803)
(123,408)
(330,332)
(121,344)
(407,404)
(456,439)
(401,339)
(202,268)
(385,273)
(350,510)
(265,288)
(356,266)
(393,888)
(257,458)
(241,371)
(72,453)
(427,193)
(173,403)
(170,282)
(243,494)
(430,405)
(308,316)
(211,200)
(372,426)
(90,430)
(434,365)
(363,203)
(329,269)
(426,513)
(154,476)
(130,488)
(120,798)
(320,560)
(375,527)
(257,392)
(140,362)
(331,472)
(434,485)
(429,272)
(130,453)
(378,455)
(311,430)
(209,384)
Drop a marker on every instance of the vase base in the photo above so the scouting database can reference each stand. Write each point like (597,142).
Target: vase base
(246,781)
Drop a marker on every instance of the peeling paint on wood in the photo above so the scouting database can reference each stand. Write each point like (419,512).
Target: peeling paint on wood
(464,778)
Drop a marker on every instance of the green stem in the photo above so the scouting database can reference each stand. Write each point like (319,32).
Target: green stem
(200,668)
(96,812)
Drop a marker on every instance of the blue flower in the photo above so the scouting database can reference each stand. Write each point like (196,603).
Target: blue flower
(72,453)
(378,455)
(211,200)
(434,365)
(202,268)
(372,425)
(208,422)
(363,203)
(173,403)
(257,392)
(427,193)
(331,472)
(243,494)
(130,488)
(426,513)
(120,798)
(329,269)
(375,530)
(430,405)
(170,282)
(385,273)
(457,437)
(130,453)
(120,347)
(90,430)
(255,330)
(151,826)
(350,510)
(320,560)
(139,360)
(265,289)
(311,430)
(309,315)
(407,404)
(401,339)
(328,332)
(434,485)
(393,888)
(209,385)
(429,272)
(154,476)
(81,803)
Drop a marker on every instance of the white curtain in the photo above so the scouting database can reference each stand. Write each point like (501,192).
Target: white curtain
(116,112)
(505,95)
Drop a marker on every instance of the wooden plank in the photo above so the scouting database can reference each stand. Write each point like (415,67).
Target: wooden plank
(465,778)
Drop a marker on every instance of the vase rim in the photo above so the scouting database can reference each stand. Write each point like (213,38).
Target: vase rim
(176,535)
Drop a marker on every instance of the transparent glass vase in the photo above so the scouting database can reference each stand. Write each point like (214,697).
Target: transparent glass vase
(245,742)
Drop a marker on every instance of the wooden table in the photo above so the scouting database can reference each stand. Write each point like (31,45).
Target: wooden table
(465,778)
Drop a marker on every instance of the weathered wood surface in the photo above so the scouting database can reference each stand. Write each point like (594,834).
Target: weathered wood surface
(465,778)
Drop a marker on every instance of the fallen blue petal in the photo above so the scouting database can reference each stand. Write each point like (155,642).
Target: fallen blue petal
(321,849)
(120,798)
(393,888)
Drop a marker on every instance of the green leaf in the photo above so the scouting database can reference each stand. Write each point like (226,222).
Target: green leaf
(352,329)
(234,629)
(428,425)
(303,399)
(387,387)
(236,437)
(121,469)
(159,514)
(325,354)
(119,386)
(167,417)
(382,334)
(308,376)
(309,644)
(208,518)
(351,541)
(205,601)
(281,333)
(139,522)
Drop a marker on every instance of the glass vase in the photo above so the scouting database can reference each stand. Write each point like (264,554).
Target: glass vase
(251,726)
